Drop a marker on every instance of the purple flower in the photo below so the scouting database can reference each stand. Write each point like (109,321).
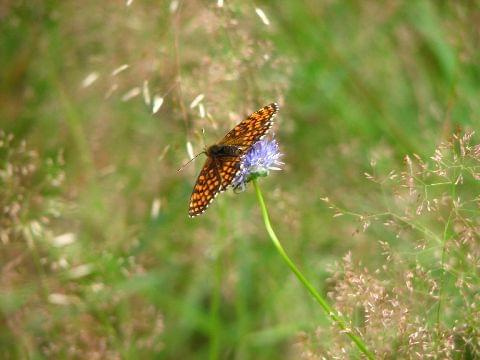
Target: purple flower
(262,157)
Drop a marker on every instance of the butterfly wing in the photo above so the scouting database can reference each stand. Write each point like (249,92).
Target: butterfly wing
(219,171)
(206,188)
(228,168)
(215,177)
(252,129)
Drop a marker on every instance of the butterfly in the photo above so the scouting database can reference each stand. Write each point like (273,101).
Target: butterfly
(224,158)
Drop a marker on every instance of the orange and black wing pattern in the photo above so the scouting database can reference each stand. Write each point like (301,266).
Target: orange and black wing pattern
(208,185)
(219,172)
(216,175)
(252,129)
(228,168)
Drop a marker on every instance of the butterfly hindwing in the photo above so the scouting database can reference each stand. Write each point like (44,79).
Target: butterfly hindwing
(228,168)
(206,188)
(216,175)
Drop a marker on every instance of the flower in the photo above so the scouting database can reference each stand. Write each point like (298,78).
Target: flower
(262,157)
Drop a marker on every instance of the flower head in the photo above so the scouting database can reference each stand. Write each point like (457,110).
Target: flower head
(262,157)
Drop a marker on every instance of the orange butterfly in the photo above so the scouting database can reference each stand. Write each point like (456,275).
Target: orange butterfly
(225,157)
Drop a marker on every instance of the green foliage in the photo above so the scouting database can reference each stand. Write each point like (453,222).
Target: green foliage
(99,257)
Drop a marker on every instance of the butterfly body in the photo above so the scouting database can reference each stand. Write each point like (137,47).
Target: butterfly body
(225,157)
(224,150)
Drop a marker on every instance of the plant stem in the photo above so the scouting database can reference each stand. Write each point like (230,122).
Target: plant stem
(214,311)
(215,321)
(333,315)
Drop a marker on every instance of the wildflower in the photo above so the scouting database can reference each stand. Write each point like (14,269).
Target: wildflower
(263,156)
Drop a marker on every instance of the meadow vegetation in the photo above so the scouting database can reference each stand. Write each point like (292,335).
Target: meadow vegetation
(378,202)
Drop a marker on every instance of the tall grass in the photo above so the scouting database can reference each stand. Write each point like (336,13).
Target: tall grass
(421,300)
(105,101)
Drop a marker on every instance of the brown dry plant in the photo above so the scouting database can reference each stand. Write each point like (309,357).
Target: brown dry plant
(423,300)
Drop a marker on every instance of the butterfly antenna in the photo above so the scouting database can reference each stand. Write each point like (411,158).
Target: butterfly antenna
(189,161)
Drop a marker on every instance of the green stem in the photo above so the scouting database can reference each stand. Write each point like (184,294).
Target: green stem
(215,320)
(215,310)
(333,315)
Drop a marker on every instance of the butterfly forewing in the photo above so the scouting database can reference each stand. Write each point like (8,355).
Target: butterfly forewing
(250,130)
(218,172)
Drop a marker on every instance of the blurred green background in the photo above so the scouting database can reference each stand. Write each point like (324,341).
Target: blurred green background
(98,256)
